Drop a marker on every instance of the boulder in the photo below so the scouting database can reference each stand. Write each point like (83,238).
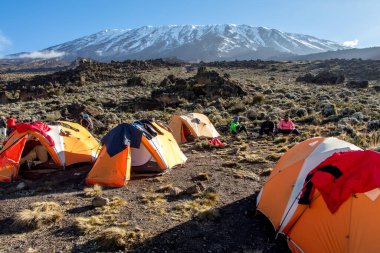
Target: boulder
(373,125)
(136,81)
(204,86)
(328,109)
(99,201)
(357,84)
(324,77)
(175,191)
(21,186)
(376,88)
(347,111)
(196,188)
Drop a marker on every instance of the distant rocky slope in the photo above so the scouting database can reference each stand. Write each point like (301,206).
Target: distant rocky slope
(372,53)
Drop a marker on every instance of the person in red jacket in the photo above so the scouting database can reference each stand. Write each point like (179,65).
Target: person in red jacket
(286,126)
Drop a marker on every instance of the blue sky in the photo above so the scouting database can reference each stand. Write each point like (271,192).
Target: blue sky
(29,25)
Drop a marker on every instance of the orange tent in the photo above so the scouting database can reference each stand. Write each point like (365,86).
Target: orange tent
(72,144)
(195,124)
(144,147)
(354,227)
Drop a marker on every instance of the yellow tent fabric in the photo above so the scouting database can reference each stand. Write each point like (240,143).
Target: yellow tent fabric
(72,144)
(198,124)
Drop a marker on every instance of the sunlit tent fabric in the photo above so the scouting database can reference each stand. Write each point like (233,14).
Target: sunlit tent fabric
(354,227)
(142,147)
(66,142)
(196,124)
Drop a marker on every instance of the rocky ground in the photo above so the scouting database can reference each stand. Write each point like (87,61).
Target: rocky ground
(217,214)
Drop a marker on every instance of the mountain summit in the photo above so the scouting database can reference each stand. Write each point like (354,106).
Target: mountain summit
(191,43)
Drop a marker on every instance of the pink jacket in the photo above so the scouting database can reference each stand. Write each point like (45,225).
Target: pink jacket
(286,125)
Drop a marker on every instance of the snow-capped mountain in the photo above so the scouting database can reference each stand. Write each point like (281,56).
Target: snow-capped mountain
(190,42)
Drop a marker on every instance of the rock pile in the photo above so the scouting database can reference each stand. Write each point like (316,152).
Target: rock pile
(204,85)
(325,77)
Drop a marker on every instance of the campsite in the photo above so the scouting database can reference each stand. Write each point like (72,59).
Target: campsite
(207,203)
(196,126)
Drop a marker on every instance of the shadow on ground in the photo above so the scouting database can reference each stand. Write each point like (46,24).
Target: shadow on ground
(60,181)
(238,229)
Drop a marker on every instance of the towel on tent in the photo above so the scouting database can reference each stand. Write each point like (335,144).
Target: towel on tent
(39,127)
(120,137)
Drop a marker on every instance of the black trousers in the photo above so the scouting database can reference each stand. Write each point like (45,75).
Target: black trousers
(283,131)
(241,128)
(266,131)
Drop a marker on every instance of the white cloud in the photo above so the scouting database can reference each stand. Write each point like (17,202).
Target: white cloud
(4,42)
(351,43)
(42,54)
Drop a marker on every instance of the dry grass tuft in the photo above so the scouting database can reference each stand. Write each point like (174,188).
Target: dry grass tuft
(113,207)
(116,238)
(273,157)
(209,215)
(204,202)
(253,159)
(40,214)
(374,140)
(89,224)
(201,145)
(209,198)
(279,140)
(112,238)
(238,173)
(266,172)
(231,164)
(152,199)
(94,191)
(202,177)
(32,250)
(165,188)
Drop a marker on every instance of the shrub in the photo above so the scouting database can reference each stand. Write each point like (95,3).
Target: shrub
(39,214)
(94,191)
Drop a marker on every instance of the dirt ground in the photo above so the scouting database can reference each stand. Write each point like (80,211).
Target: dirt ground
(163,226)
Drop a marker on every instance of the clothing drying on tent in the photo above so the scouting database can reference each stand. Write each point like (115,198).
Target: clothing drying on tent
(39,127)
(192,124)
(142,147)
(67,143)
(342,175)
(354,227)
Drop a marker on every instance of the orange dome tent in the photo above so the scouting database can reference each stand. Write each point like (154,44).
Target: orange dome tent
(352,227)
(195,124)
(142,147)
(67,143)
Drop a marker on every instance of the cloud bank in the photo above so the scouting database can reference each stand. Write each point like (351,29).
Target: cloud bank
(351,43)
(42,54)
(4,42)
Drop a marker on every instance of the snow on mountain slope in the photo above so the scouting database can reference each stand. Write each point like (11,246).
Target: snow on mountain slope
(192,42)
